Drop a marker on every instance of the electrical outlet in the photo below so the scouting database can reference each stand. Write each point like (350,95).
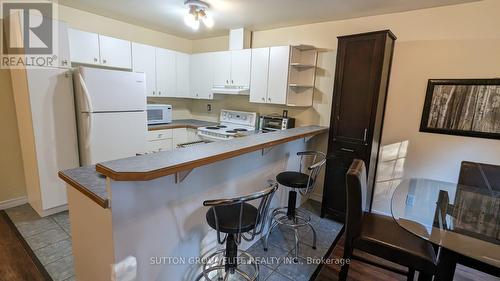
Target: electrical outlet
(209,107)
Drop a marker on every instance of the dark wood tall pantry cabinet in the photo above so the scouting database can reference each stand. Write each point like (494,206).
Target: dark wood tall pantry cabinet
(361,82)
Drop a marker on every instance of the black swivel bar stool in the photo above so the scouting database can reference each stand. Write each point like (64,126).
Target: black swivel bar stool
(236,219)
(304,183)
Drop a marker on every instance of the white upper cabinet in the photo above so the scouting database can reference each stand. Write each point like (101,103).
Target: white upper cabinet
(182,75)
(165,72)
(144,60)
(92,48)
(259,75)
(277,87)
(63,57)
(232,68)
(269,79)
(115,52)
(201,69)
(84,46)
(240,67)
(222,68)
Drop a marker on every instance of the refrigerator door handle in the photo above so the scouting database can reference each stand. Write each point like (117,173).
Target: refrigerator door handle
(89,128)
(88,100)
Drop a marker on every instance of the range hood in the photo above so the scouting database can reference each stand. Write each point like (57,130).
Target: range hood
(239,39)
(235,90)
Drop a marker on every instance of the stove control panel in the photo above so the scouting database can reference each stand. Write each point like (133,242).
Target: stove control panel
(238,117)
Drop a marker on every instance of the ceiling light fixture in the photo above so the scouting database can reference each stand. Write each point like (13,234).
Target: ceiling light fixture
(197,12)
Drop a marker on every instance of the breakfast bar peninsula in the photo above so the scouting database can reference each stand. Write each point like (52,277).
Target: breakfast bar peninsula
(128,214)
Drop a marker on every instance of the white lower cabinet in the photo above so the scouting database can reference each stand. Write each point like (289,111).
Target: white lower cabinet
(159,145)
(192,135)
(159,140)
(179,136)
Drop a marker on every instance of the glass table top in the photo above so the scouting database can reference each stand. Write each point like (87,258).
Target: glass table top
(463,219)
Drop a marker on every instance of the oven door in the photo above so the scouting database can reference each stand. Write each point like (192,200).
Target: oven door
(212,138)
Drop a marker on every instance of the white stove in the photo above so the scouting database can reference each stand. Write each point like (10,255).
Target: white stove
(232,124)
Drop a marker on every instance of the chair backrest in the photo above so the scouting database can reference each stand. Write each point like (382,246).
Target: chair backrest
(318,161)
(480,175)
(356,198)
(265,196)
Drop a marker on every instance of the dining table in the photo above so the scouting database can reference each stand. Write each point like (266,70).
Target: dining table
(462,222)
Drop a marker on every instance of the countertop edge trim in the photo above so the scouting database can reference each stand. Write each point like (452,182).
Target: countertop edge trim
(154,174)
(101,202)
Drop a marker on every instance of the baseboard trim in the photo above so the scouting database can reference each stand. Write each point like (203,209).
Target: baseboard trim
(13,202)
(316,197)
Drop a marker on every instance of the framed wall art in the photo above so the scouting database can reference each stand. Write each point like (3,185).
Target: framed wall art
(465,107)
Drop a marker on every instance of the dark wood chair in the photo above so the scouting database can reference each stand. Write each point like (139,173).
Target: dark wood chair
(480,175)
(380,235)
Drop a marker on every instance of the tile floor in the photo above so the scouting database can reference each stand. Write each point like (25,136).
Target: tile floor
(282,244)
(50,240)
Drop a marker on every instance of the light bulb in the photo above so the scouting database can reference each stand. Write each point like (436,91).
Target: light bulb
(195,25)
(208,21)
(190,20)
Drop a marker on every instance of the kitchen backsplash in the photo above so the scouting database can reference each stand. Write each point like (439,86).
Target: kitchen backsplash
(197,109)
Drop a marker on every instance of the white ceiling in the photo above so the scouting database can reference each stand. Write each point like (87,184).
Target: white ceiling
(167,15)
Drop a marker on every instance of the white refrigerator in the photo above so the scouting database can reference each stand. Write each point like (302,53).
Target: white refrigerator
(111,113)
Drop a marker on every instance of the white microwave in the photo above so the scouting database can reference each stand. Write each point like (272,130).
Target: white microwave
(159,114)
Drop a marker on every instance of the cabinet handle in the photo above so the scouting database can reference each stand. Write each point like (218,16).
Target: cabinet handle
(95,59)
(65,62)
(232,82)
(153,93)
(263,99)
(269,99)
(227,81)
(103,61)
(347,150)
(364,135)
(159,93)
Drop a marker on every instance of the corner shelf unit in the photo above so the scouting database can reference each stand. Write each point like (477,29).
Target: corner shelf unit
(301,75)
